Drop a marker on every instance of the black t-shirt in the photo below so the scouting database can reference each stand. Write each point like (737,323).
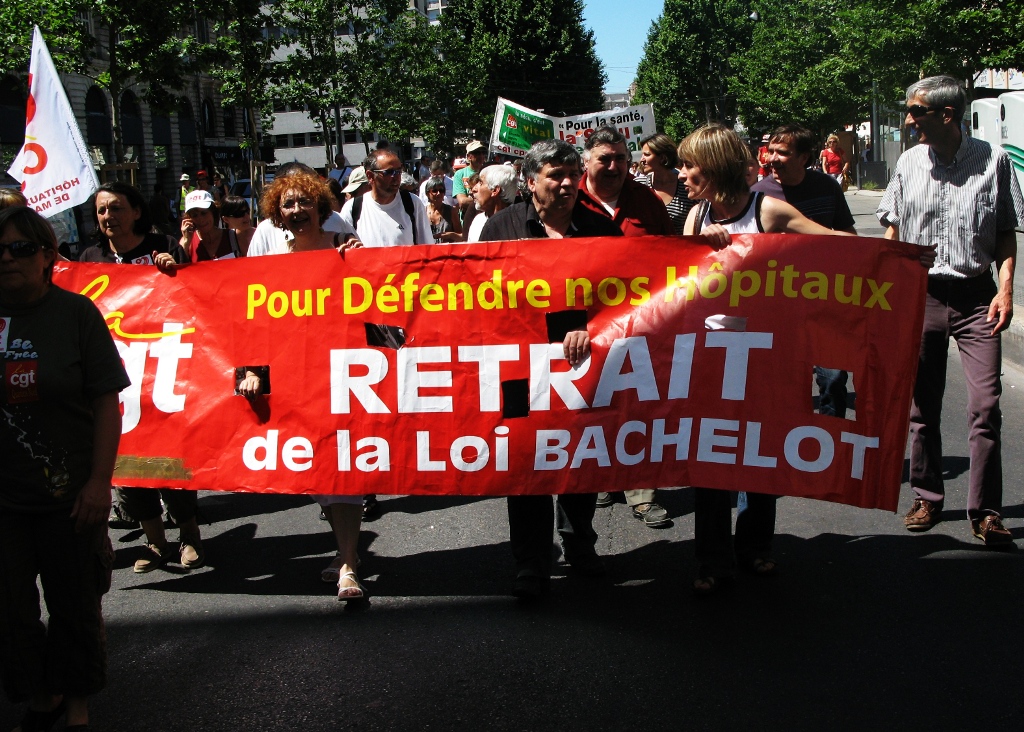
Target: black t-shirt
(142,254)
(819,197)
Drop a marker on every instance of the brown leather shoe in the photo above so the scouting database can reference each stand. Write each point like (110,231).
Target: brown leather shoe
(922,515)
(990,530)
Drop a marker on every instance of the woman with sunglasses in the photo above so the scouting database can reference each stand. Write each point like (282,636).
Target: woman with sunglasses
(58,443)
(300,203)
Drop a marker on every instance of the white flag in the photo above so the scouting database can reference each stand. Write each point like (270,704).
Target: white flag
(53,166)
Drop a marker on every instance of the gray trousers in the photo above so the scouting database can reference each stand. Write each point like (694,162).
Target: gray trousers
(958,309)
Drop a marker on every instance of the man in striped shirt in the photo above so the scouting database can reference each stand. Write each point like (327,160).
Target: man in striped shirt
(959,195)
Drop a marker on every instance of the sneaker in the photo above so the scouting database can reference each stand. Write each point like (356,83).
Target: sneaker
(653,515)
(922,515)
(990,530)
(604,500)
(191,552)
(119,518)
(153,557)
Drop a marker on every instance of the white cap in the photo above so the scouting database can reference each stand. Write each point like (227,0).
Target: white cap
(198,199)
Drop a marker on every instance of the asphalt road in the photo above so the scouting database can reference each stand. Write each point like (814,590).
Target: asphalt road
(866,627)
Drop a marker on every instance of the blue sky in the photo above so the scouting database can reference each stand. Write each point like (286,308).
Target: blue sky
(620,29)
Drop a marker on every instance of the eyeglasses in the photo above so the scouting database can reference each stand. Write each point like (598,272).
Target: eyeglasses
(302,201)
(919,110)
(20,249)
(391,173)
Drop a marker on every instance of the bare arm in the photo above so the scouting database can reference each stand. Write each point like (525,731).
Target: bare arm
(92,506)
(778,217)
(1001,309)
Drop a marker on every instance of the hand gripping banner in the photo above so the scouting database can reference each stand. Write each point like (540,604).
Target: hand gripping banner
(439,369)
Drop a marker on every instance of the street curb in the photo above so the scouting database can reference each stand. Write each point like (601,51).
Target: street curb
(869,194)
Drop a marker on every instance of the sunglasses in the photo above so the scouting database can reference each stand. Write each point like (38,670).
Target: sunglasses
(20,249)
(394,173)
(919,110)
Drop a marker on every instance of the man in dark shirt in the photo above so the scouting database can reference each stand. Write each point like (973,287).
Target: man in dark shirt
(553,171)
(816,195)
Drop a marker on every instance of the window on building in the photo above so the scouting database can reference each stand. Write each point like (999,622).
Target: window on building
(351,137)
(316,139)
(229,122)
(282,141)
(209,119)
(298,141)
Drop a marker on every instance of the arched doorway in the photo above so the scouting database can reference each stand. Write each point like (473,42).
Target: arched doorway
(98,133)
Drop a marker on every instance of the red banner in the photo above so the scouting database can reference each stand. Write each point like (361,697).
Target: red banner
(438,369)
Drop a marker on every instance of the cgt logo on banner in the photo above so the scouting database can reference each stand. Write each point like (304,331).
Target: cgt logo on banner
(53,165)
(439,370)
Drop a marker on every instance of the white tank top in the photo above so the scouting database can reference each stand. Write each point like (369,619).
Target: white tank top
(747,222)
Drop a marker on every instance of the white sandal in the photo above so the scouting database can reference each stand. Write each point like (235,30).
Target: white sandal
(350,593)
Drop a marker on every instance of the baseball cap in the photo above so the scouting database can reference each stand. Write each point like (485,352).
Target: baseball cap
(202,174)
(355,179)
(184,178)
(198,199)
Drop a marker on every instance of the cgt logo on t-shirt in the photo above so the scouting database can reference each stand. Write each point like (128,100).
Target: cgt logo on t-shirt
(21,381)
(5,328)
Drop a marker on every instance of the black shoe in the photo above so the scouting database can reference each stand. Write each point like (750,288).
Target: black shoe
(530,586)
(371,507)
(604,500)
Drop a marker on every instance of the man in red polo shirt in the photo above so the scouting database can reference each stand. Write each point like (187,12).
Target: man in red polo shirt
(609,190)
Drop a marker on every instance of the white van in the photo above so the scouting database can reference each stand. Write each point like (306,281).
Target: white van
(1011,115)
(985,123)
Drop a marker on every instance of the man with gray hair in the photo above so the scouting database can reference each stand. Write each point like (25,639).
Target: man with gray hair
(553,171)
(959,195)
(495,190)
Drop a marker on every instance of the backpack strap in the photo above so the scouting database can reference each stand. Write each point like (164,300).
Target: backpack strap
(233,241)
(407,203)
(357,210)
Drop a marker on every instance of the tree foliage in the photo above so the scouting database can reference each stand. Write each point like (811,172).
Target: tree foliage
(534,52)
(240,56)
(687,60)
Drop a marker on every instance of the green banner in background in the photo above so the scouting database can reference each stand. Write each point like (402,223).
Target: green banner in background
(520,129)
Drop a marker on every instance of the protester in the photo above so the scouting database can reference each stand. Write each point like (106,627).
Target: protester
(358,184)
(553,172)
(387,216)
(438,172)
(476,156)
(610,191)
(444,219)
(338,197)
(58,457)
(201,235)
(123,227)
(235,213)
(833,159)
(762,157)
(341,170)
(660,162)
(186,188)
(716,164)
(11,197)
(270,238)
(300,203)
(959,195)
(219,189)
(495,190)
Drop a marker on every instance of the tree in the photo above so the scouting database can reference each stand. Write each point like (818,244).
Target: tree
(534,52)
(795,70)
(365,61)
(240,57)
(65,36)
(686,64)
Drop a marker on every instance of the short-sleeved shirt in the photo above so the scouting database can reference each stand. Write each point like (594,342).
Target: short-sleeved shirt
(269,239)
(388,225)
(819,197)
(959,208)
(459,181)
(58,357)
(142,254)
